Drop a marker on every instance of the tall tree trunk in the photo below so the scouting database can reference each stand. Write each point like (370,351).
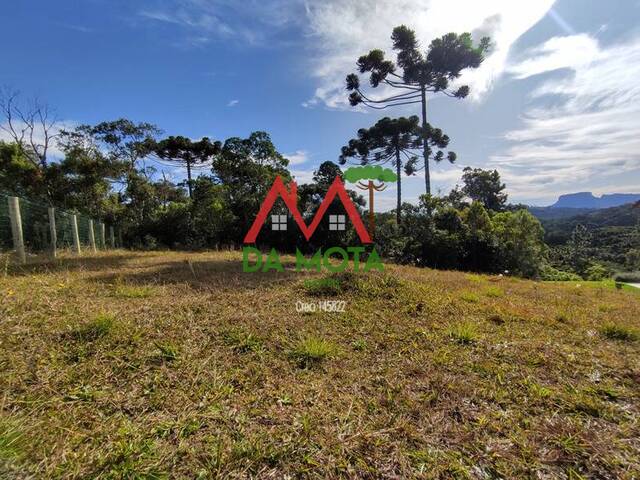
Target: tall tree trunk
(189,176)
(399,192)
(425,147)
(372,219)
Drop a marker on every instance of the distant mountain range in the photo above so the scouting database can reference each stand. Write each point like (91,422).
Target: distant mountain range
(589,200)
(583,203)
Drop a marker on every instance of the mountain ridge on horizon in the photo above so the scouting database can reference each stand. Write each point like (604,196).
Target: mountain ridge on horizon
(589,200)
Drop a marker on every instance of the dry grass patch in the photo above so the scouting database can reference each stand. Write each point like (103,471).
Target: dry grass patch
(179,365)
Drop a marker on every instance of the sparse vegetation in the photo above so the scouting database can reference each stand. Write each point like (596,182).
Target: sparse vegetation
(167,351)
(94,329)
(312,351)
(217,375)
(619,332)
(464,334)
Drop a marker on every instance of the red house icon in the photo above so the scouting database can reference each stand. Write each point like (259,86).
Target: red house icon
(290,199)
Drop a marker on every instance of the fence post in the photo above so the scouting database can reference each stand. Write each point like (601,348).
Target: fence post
(16,228)
(103,241)
(112,237)
(76,235)
(92,237)
(52,229)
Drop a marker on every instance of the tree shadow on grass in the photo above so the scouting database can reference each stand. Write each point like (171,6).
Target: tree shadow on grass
(207,275)
(68,263)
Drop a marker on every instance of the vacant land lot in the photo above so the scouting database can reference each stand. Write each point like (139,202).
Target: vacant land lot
(175,365)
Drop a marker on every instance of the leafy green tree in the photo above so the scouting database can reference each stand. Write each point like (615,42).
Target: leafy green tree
(18,175)
(247,168)
(484,186)
(184,151)
(84,179)
(578,247)
(521,242)
(326,174)
(416,73)
(121,140)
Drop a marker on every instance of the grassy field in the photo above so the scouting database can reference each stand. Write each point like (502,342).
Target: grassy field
(175,365)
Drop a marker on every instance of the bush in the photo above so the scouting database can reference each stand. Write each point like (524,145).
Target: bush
(627,277)
(596,273)
(550,274)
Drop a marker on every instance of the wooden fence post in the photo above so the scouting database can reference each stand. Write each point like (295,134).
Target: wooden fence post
(103,240)
(52,229)
(92,237)
(16,228)
(112,237)
(76,235)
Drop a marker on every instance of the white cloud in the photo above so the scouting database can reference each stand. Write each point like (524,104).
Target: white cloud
(342,30)
(302,176)
(233,103)
(253,22)
(298,157)
(588,133)
(53,152)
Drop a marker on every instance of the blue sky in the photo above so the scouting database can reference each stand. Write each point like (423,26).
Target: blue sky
(555,108)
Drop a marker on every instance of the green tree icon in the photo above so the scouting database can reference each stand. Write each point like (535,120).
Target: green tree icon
(370,173)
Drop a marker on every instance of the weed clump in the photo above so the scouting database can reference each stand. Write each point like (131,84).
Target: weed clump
(494,292)
(242,342)
(469,297)
(168,352)
(322,286)
(618,332)
(97,328)
(463,334)
(312,351)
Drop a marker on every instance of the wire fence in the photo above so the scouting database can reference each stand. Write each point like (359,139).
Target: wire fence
(39,228)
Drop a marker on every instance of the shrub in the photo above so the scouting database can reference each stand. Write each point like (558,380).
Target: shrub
(627,277)
(596,273)
(550,274)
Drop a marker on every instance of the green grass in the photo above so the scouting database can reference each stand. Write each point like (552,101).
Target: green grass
(493,292)
(133,291)
(96,328)
(215,374)
(469,297)
(464,334)
(242,341)
(12,441)
(167,351)
(312,351)
(619,332)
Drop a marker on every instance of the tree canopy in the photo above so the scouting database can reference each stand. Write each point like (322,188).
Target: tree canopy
(416,73)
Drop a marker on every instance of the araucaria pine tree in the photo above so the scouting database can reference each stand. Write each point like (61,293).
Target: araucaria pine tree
(396,141)
(415,73)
